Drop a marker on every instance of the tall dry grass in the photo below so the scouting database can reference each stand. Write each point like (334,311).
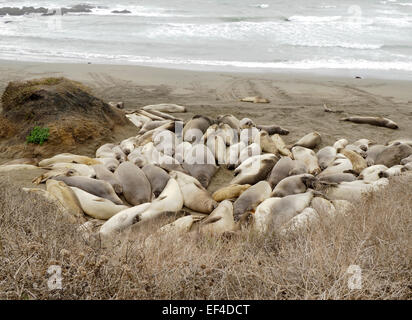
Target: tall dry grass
(376,235)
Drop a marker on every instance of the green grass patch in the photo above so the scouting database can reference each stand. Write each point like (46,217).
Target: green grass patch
(38,135)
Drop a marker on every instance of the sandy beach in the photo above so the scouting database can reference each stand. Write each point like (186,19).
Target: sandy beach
(296,99)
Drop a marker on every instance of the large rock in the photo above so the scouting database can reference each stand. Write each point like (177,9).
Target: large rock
(78,121)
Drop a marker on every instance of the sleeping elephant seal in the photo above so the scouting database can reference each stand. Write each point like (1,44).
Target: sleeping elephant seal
(294,184)
(358,163)
(246,123)
(121,220)
(273,129)
(372,173)
(285,167)
(66,197)
(337,178)
(157,177)
(310,141)
(97,207)
(199,162)
(281,146)
(165,107)
(273,213)
(230,192)
(98,188)
(195,196)
(341,143)
(102,173)
(326,156)
(136,187)
(229,119)
(376,121)
(195,128)
(68,158)
(110,163)
(220,220)
(251,198)
(340,165)
(308,157)
(266,143)
(373,152)
(254,169)
(393,154)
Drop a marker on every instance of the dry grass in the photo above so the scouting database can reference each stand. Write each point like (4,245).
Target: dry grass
(311,265)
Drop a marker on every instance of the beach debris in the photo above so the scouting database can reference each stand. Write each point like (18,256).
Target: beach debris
(255,99)
(328,109)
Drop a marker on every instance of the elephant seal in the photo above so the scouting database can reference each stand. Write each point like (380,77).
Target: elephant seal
(195,196)
(181,150)
(246,123)
(406,160)
(254,169)
(95,187)
(308,157)
(341,143)
(294,185)
(218,147)
(273,129)
(233,153)
(230,120)
(102,173)
(393,171)
(310,141)
(376,121)
(373,152)
(136,187)
(122,220)
(363,144)
(220,220)
(54,173)
(110,163)
(80,169)
(65,196)
(165,107)
(281,146)
(300,222)
(230,192)
(68,158)
(195,128)
(337,178)
(201,172)
(393,154)
(128,145)
(170,200)
(372,173)
(248,135)
(408,166)
(97,207)
(266,143)
(157,177)
(340,165)
(252,150)
(353,191)
(326,156)
(120,155)
(323,206)
(404,140)
(251,198)
(255,99)
(153,125)
(357,149)
(358,163)
(285,167)
(273,213)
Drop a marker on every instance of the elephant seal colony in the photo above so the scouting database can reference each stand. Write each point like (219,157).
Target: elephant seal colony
(168,166)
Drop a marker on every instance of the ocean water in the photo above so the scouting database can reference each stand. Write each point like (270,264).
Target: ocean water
(217,34)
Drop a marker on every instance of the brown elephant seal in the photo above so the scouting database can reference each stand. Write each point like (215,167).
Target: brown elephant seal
(136,187)
(308,157)
(66,197)
(95,187)
(201,172)
(376,121)
(221,220)
(273,129)
(102,173)
(254,169)
(230,192)
(294,185)
(373,152)
(97,207)
(230,120)
(255,99)
(195,196)
(195,128)
(393,154)
(357,149)
(158,178)
(273,213)
(281,146)
(337,178)
(358,163)
(326,156)
(285,167)
(251,198)
(310,141)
